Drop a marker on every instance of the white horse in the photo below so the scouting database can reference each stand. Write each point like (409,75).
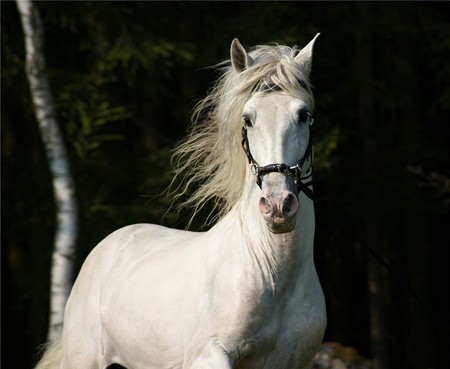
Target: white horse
(244,294)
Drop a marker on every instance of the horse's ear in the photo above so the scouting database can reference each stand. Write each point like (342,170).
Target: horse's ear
(240,60)
(305,55)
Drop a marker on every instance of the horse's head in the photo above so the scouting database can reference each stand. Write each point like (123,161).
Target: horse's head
(276,133)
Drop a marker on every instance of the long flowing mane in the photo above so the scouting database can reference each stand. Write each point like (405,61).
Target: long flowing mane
(210,160)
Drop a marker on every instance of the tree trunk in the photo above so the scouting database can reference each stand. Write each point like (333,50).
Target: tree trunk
(419,337)
(63,184)
(378,290)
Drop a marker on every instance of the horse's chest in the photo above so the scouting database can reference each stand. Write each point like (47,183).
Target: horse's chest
(281,334)
(291,345)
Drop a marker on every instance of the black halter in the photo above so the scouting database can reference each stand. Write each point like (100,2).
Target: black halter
(294,171)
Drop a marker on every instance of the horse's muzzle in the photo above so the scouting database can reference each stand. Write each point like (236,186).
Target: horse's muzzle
(279,210)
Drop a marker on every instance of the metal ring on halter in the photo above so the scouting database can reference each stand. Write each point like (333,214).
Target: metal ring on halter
(254,168)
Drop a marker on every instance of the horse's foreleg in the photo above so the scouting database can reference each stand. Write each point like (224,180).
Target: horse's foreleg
(211,355)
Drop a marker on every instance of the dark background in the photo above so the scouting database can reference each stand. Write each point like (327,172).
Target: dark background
(126,76)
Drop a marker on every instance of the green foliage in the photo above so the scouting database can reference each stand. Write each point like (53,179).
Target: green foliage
(85,113)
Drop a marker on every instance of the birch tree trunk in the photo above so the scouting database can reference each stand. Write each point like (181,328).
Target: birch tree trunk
(63,184)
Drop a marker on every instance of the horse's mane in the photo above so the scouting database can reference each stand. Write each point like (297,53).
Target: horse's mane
(210,160)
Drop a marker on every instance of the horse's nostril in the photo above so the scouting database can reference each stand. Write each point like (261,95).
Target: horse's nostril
(290,205)
(287,205)
(265,206)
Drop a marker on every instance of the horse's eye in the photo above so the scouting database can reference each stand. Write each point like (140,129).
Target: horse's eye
(247,121)
(304,116)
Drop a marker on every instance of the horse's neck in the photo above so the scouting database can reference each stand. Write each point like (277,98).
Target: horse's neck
(280,257)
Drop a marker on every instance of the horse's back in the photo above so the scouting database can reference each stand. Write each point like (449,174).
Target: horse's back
(124,247)
(130,243)
(120,251)
(99,283)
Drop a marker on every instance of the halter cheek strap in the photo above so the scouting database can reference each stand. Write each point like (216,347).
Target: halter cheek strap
(294,171)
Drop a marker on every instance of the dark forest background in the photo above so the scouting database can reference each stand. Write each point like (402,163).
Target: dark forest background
(126,75)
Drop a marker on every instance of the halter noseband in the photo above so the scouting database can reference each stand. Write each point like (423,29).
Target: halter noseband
(294,171)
